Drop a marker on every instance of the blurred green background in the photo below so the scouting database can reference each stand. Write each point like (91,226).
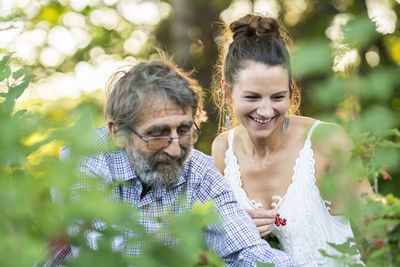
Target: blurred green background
(346,58)
(347,64)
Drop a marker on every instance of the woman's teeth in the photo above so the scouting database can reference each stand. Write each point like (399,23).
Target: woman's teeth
(261,121)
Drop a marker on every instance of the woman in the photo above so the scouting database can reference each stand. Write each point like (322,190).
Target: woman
(272,159)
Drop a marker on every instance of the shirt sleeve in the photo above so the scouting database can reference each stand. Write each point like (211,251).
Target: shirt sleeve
(237,239)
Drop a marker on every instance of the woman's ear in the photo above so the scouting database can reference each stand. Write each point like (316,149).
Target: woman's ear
(226,91)
(118,139)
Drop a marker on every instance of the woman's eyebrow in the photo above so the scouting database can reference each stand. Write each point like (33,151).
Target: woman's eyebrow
(281,92)
(250,92)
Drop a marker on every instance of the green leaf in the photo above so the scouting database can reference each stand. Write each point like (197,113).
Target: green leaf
(379,84)
(387,155)
(329,92)
(389,144)
(5,73)
(359,32)
(261,264)
(19,114)
(391,132)
(16,91)
(377,119)
(19,73)
(379,253)
(312,57)
(345,248)
(4,61)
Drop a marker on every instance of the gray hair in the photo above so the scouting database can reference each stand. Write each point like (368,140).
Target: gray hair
(128,90)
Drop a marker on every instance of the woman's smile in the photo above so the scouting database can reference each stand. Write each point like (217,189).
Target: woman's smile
(262,122)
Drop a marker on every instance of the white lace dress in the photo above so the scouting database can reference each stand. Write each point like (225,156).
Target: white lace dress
(309,224)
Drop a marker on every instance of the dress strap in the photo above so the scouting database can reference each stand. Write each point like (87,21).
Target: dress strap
(230,138)
(315,124)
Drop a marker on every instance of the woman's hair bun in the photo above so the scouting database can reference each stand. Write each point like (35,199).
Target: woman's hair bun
(255,25)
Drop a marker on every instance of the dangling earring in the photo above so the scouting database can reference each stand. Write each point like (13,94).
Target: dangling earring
(228,119)
(285,123)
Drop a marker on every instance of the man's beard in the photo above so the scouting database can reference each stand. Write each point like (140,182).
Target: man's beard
(159,170)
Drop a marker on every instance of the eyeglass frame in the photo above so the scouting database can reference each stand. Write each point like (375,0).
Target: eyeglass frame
(146,140)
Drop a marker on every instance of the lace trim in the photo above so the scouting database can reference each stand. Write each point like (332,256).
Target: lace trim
(310,224)
(305,161)
(233,175)
(275,205)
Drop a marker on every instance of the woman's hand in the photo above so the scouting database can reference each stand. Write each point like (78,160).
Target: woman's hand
(264,219)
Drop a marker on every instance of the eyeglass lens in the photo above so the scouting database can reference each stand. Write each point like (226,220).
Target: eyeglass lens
(184,140)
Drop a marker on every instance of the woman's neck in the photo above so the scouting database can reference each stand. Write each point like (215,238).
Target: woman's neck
(262,147)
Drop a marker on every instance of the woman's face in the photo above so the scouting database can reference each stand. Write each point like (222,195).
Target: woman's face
(260,98)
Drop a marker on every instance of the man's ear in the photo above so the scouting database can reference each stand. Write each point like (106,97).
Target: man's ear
(118,139)
(226,91)
(111,127)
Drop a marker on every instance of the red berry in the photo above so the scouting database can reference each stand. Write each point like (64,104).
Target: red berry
(378,243)
(203,257)
(386,176)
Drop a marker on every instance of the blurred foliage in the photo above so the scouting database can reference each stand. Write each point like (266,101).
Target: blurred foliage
(351,78)
(35,192)
(359,97)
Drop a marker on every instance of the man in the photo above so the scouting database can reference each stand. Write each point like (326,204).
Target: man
(152,112)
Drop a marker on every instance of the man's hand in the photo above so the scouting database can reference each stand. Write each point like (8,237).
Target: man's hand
(264,219)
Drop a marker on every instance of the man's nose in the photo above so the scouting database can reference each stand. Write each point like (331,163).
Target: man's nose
(174,149)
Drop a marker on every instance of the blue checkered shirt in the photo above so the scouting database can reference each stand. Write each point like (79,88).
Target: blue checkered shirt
(238,243)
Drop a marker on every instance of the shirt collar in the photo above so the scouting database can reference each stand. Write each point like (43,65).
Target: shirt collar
(121,168)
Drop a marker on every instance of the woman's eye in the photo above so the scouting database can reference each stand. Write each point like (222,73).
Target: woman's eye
(251,97)
(279,97)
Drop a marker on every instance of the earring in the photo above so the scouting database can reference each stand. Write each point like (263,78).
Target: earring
(285,123)
(228,119)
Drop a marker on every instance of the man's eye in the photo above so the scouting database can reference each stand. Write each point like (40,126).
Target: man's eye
(159,137)
(159,134)
(183,130)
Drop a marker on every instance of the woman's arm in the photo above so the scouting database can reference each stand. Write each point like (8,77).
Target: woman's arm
(342,169)
(218,148)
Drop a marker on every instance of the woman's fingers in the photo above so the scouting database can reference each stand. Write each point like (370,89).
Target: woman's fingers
(262,213)
(264,230)
(263,219)
(267,221)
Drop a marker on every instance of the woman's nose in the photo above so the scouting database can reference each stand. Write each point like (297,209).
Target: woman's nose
(265,109)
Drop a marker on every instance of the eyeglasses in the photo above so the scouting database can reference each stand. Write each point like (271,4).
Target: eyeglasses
(160,142)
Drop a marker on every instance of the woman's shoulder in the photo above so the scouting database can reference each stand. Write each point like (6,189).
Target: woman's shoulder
(301,126)
(220,142)
(307,122)
(326,134)
(302,121)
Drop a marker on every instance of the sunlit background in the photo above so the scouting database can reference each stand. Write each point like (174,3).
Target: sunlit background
(46,33)
(72,47)
(345,59)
